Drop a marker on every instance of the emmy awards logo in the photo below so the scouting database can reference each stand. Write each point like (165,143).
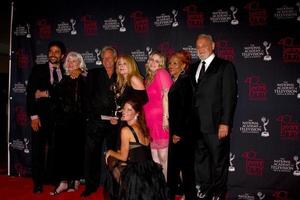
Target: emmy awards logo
(234,11)
(297,165)
(175,22)
(231,158)
(73,31)
(267,46)
(122,19)
(98,53)
(28,35)
(149,50)
(265,122)
(298,81)
(26,142)
(298,5)
(116,96)
(200,194)
(261,195)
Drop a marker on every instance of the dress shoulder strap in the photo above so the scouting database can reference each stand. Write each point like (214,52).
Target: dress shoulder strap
(134,134)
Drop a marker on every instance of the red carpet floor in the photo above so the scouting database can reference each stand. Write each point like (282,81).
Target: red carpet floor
(20,188)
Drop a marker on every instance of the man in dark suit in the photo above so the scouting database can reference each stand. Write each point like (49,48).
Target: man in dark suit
(41,87)
(100,103)
(214,99)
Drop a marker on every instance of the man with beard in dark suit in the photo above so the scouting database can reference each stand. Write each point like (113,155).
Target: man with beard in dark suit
(214,99)
(42,84)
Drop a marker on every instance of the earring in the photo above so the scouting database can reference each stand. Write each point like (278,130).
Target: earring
(136,117)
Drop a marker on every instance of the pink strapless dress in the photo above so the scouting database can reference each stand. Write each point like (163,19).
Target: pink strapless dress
(154,109)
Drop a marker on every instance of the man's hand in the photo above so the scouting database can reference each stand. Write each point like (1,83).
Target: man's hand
(35,124)
(223,131)
(114,120)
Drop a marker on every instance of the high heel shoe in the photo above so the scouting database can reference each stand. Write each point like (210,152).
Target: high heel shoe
(59,189)
(73,185)
(77,184)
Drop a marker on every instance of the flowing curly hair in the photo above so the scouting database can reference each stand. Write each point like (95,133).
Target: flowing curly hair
(133,70)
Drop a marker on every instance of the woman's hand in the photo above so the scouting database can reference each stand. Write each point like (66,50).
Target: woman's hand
(176,139)
(107,154)
(165,123)
(75,73)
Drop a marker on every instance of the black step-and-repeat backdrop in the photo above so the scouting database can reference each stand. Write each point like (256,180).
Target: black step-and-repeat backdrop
(260,37)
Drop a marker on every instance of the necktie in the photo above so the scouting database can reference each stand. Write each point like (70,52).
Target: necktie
(202,71)
(55,76)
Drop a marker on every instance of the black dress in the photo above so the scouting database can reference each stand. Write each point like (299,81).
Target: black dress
(142,179)
(131,93)
(70,127)
(180,157)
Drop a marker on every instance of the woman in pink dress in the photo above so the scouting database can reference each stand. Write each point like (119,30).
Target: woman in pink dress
(158,83)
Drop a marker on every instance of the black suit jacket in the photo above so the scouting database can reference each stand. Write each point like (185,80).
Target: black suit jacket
(180,106)
(39,79)
(100,96)
(215,95)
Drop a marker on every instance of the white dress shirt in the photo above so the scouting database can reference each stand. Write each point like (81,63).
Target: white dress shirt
(207,63)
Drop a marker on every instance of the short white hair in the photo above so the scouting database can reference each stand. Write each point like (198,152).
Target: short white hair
(109,48)
(78,56)
(207,36)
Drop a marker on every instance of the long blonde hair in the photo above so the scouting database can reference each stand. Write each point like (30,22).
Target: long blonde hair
(132,71)
(162,64)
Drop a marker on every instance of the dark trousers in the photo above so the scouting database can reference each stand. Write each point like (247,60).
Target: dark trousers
(69,148)
(96,134)
(211,163)
(181,159)
(42,153)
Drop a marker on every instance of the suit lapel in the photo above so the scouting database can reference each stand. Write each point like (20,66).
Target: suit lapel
(194,68)
(62,69)
(175,83)
(212,68)
(47,71)
(172,87)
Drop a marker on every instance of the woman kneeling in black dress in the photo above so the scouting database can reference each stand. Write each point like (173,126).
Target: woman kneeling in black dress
(142,178)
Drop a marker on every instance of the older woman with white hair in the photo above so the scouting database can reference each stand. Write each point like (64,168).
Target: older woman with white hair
(74,61)
(70,125)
